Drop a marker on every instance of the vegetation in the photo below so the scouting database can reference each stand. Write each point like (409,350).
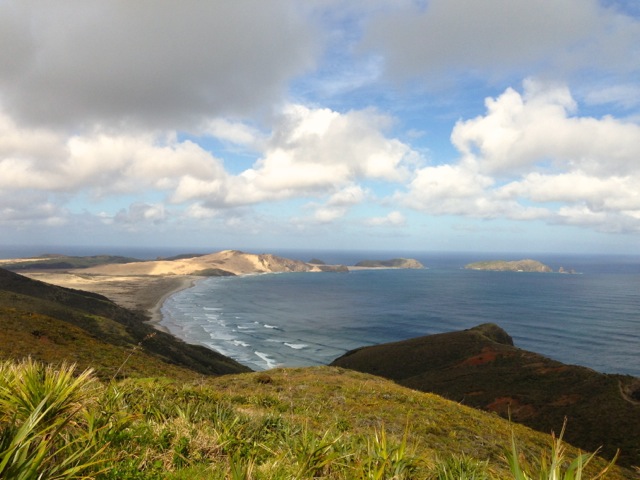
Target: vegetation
(50,262)
(283,424)
(53,323)
(393,263)
(512,266)
(481,367)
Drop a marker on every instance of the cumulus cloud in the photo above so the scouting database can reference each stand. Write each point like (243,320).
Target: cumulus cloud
(309,153)
(339,204)
(523,131)
(393,219)
(532,157)
(156,64)
(99,163)
(313,152)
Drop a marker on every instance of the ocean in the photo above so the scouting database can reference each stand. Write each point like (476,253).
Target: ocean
(301,319)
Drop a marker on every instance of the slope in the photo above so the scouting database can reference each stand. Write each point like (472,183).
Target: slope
(51,323)
(480,367)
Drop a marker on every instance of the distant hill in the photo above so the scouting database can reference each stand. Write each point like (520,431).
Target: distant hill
(482,368)
(52,323)
(54,261)
(393,263)
(512,266)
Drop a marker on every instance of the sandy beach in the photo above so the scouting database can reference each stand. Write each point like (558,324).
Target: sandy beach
(137,292)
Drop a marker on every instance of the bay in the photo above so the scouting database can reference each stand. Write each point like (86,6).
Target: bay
(301,319)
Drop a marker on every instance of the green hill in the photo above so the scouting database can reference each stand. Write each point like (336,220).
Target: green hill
(51,323)
(480,367)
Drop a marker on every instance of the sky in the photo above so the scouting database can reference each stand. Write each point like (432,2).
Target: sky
(433,125)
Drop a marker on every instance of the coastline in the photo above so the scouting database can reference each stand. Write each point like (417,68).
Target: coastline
(155,311)
(145,293)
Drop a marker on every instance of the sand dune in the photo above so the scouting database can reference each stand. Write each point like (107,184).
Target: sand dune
(232,261)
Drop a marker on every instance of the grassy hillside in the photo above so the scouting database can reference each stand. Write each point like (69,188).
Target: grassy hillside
(283,424)
(50,323)
(480,367)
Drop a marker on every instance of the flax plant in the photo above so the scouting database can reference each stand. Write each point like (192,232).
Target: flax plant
(42,432)
(554,466)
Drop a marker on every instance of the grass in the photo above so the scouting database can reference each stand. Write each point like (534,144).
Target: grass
(283,424)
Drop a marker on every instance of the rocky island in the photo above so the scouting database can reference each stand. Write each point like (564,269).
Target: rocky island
(526,265)
(393,263)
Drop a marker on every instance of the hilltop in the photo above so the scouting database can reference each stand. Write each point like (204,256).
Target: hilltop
(481,367)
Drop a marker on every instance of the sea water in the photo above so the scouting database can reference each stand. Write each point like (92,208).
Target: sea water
(301,319)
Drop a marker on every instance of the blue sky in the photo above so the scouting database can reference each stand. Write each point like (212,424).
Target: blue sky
(503,125)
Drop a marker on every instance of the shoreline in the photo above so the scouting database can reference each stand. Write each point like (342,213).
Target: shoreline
(155,312)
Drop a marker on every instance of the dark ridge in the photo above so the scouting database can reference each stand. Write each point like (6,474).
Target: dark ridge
(481,368)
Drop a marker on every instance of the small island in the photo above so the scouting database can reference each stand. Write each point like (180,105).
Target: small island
(526,265)
(393,263)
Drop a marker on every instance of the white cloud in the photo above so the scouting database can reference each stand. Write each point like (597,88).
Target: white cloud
(234,132)
(339,204)
(530,157)
(537,130)
(315,152)
(393,219)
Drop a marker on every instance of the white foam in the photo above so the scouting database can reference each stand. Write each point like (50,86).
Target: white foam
(296,346)
(271,363)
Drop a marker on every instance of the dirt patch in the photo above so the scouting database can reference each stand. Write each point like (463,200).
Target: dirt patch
(487,355)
